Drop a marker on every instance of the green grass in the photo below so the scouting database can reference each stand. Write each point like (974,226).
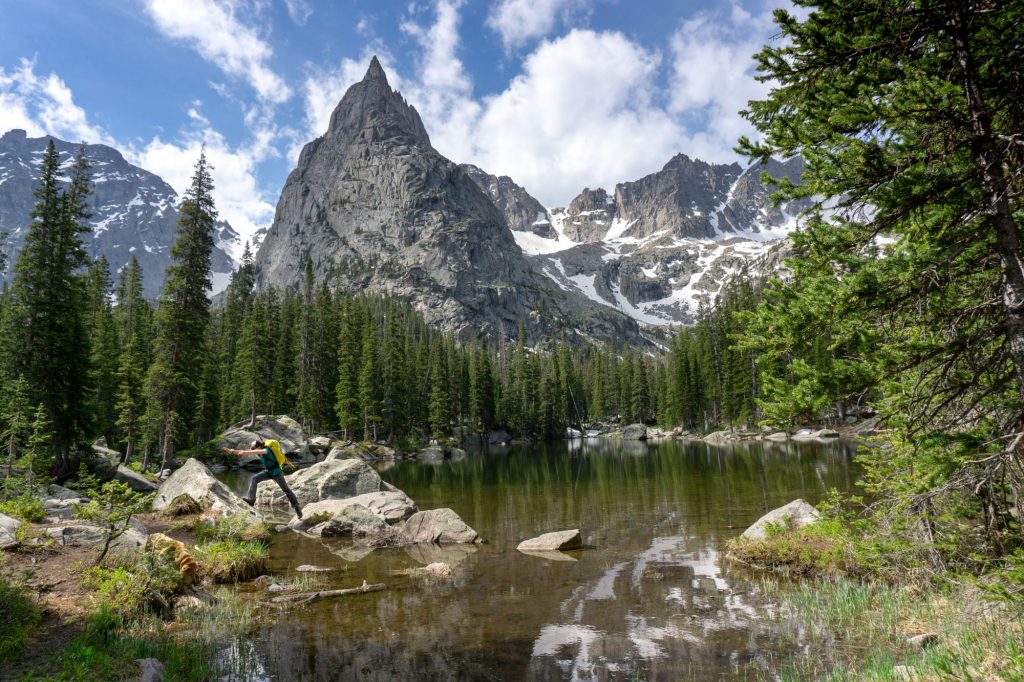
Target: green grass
(863,628)
(825,548)
(236,527)
(223,561)
(19,616)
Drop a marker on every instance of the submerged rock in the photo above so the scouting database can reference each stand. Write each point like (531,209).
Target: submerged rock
(196,481)
(558,541)
(437,525)
(431,455)
(794,515)
(150,670)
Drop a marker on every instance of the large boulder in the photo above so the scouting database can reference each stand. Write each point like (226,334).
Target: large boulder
(332,480)
(796,514)
(499,437)
(721,437)
(196,481)
(432,455)
(634,432)
(437,525)
(104,461)
(59,502)
(390,506)
(560,540)
(8,526)
(350,451)
(89,535)
(281,428)
(134,480)
(354,520)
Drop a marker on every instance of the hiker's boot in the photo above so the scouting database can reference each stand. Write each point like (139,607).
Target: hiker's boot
(251,503)
(298,513)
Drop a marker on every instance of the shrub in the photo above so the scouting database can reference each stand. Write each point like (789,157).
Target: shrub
(823,548)
(18,617)
(112,506)
(141,583)
(224,561)
(23,507)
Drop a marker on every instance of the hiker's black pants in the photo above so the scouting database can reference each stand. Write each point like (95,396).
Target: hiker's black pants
(279,480)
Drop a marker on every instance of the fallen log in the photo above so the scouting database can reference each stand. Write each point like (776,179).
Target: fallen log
(304,597)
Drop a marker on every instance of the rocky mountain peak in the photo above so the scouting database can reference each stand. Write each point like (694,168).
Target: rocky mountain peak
(376,71)
(372,110)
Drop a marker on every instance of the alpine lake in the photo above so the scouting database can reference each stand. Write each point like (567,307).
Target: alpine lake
(650,597)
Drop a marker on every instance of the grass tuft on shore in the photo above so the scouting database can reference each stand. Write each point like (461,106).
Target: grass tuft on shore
(224,561)
(825,548)
(864,629)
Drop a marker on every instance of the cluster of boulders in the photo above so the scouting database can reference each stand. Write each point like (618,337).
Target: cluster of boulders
(803,435)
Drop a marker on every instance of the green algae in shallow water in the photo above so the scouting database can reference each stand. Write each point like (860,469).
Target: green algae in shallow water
(650,598)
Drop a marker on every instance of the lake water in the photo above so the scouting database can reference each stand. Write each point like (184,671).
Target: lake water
(650,598)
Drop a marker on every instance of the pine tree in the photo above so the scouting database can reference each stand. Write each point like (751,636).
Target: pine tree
(44,330)
(350,341)
(237,298)
(103,341)
(440,391)
(15,420)
(369,383)
(133,314)
(175,377)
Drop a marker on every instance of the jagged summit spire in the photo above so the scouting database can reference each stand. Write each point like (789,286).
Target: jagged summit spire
(376,71)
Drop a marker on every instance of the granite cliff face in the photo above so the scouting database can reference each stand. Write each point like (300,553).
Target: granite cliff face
(134,212)
(522,212)
(376,208)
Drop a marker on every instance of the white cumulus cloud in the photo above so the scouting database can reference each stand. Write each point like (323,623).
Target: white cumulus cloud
(519,21)
(213,30)
(43,105)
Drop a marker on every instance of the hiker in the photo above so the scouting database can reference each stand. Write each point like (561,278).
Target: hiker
(272,458)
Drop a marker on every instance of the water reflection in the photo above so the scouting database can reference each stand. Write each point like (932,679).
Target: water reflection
(649,598)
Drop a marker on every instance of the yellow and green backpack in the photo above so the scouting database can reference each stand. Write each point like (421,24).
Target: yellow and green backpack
(275,447)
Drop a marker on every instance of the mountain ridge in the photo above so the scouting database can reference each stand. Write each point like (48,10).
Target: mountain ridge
(134,211)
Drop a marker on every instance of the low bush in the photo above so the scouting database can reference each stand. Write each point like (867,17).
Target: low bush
(137,585)
(24,508)
(825,548)
(224,561)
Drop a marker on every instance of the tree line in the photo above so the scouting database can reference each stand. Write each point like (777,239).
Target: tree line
(85,356)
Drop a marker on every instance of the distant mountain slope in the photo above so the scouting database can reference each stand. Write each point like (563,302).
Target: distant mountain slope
(659,247)
(133,210)
(377,208)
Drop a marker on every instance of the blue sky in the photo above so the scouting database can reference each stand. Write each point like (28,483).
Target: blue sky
(559,94)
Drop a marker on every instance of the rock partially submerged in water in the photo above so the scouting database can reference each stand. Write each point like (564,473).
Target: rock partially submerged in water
(346,519)
(560,540)
(635,432)
(196,481)
(327,480)
(794,515)
(437,525)
(815,434)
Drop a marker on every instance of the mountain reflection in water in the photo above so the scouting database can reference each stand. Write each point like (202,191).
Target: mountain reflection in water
(650,596)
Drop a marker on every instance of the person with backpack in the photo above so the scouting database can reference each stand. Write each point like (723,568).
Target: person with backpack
(272,459)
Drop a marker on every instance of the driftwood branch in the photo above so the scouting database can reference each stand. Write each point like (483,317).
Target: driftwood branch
(304,597)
